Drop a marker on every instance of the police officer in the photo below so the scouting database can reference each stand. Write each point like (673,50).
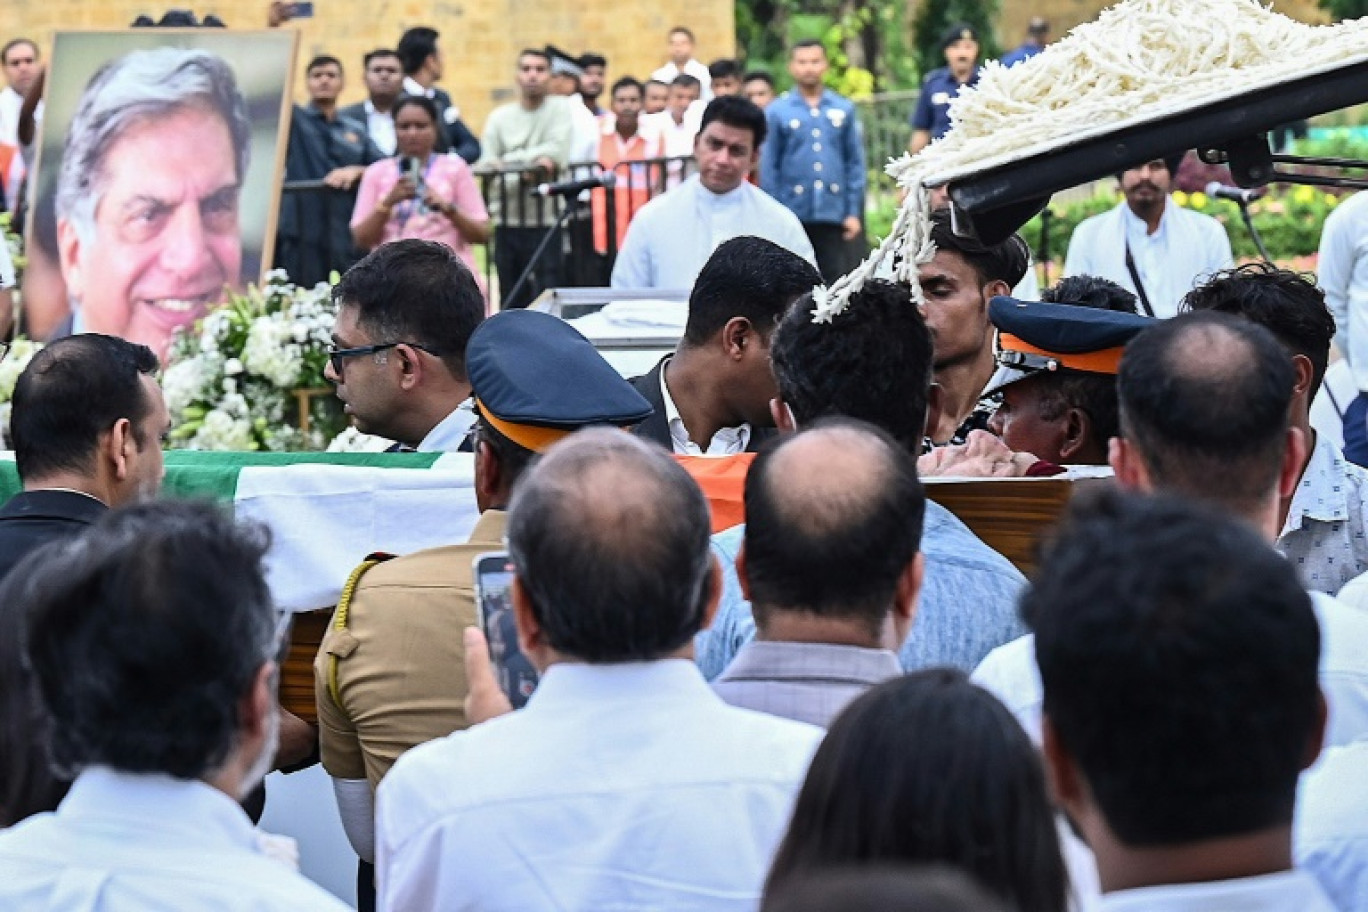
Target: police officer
(813,161)
(388,675)
(931,119)
(1057,377)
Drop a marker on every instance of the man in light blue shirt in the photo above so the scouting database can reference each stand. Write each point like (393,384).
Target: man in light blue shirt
(873,363)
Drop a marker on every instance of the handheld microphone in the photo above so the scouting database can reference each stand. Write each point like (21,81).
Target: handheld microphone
(575,187)
(415,174)
(1234,194)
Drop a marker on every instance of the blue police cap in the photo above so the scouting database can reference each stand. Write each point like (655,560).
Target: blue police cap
(536,379)
(1034,336)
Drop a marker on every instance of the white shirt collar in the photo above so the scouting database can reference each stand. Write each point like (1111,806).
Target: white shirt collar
(1136,227)
(1285,891)
(451,431)
(1322,493)
(413,87)
(726,442)
(159,802)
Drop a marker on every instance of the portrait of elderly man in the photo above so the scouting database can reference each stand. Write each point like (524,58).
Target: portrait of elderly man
(147,200)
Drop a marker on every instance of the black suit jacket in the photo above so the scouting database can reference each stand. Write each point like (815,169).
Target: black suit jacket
(454,136)
(657,426)
(34,518)
(28,786)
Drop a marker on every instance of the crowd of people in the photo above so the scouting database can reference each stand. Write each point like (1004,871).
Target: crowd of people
(835,689)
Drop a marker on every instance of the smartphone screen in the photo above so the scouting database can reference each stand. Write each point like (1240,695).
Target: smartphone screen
(302,10)
(493,582)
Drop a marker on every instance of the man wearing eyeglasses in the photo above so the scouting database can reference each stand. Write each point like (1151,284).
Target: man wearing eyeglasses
(405,314)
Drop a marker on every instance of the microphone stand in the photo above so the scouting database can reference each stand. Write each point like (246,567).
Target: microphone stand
(552,232)
(1253,232)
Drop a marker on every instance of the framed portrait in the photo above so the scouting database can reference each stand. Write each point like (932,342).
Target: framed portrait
(157,181)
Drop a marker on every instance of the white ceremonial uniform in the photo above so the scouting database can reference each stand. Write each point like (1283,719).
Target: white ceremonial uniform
(673,235)
(1286,891)
(1326,530)
(123,841)
(1010,673)
(1330,839)
(616,787)
(1187,248)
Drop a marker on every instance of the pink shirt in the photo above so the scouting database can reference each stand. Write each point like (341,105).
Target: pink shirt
(450,178)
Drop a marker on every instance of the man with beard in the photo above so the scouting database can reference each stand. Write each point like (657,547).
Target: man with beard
(153,641)
(1148,245)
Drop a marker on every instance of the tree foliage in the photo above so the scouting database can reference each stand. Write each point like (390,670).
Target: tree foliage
(1345,9)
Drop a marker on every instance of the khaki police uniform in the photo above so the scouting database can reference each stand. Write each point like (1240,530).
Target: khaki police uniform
(390,673)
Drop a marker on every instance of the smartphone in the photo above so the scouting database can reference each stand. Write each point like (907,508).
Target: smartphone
(493,585)
(302,10)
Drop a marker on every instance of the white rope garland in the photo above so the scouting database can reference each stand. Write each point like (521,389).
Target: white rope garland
(1139,60)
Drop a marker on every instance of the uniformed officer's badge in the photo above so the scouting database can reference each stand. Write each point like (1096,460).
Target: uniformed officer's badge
(940,98)
(966,35)
(451,114)
(836,116)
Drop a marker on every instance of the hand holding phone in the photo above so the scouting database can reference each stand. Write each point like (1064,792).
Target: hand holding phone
(493,584)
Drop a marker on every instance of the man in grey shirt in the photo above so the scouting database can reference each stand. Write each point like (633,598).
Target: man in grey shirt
(832,567)
(873,363)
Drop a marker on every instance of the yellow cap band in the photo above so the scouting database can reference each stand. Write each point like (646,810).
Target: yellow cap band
(1106,361)
(528,436)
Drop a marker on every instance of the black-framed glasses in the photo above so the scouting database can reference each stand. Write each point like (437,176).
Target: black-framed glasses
(337,356)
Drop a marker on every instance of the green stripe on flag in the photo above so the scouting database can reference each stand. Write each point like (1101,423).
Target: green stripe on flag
(192,473)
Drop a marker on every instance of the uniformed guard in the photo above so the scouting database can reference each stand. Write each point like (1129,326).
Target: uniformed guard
(390,672)
(813,161)
(1057,366)
(931,119)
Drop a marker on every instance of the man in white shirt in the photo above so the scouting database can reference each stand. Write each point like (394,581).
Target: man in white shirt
(384,83)
(1179,656)
(1342,269)
(1325,519)
(712,396)
(20,60)
(682,62)
(1205,401)
(1148,244)
(153,642)
(624,783)
(673,235)
(405,315)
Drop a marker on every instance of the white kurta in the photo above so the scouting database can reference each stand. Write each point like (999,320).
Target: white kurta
(1185,251)
(627,786)
(673,235)
(121,841)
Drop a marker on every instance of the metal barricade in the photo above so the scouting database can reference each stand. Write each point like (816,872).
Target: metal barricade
(313,234)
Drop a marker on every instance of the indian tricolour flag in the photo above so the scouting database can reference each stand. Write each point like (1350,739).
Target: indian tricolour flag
(326,511)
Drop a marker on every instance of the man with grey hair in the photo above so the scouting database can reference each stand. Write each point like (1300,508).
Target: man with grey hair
(660,796)
(147,198)
(153,643)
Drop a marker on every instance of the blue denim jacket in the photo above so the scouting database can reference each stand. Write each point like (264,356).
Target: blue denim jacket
(813,159)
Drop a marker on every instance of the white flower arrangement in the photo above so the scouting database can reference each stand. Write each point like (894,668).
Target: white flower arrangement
(231,383)
(21,352)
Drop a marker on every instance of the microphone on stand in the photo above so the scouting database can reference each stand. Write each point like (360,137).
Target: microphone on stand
(574,187)
(415,174)
(1234,194)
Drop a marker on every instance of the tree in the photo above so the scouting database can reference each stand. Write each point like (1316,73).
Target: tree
(1345,9)
(935,16)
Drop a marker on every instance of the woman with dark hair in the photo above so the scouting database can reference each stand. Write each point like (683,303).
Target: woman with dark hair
(928,769)
(419,193)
